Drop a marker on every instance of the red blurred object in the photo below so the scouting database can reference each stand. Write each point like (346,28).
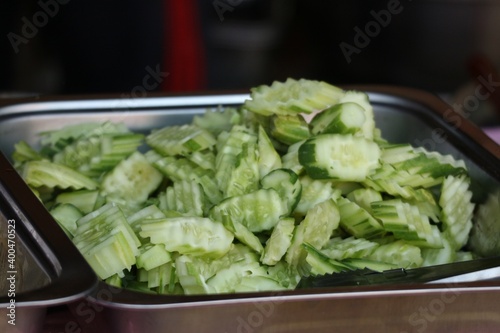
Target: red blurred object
(184,58)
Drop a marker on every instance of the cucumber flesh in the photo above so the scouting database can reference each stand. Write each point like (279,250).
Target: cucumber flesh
(343,157)
(342,118)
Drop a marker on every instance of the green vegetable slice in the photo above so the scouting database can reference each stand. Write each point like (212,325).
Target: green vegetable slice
(180,140)
(258,211)
(342,118)
(131,181)
(289,129)
(316,229)
(457,209)
(49,174)
(199,236)
(335,156)
(292,97)
(279,242)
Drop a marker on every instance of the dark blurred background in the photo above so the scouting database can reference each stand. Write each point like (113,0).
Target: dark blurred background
(136,47)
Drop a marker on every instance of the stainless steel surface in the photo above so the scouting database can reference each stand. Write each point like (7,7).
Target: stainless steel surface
(426,274)
(39,264)
(402,115)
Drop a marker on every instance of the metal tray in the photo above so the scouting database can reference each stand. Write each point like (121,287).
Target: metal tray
(39,263)
(403,115)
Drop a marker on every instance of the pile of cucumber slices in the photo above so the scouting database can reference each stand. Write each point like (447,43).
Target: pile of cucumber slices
(251,198)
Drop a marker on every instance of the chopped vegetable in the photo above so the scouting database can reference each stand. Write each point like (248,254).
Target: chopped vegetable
(255,197)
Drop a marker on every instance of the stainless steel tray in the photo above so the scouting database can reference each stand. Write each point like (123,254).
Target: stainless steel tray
(39,263)
(403,115)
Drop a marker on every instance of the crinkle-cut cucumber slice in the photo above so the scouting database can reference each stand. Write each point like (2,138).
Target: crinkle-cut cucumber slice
(287,184)
(245,175)
(180,140)
(228,154)
(342,118)
(335,156)
(351,247)
(362,99)
(487,223)
(198,236)
(320,264)
(152,256)
(316,229)
(292,97)
(258,211)
(180,168)
(444,255)
(48,174)
(290,159)
(186,197)
(313,192)
(279,241)
(84,200)
(66,215)
(456,210)
(363,197)
(356,221)
(242,233)
(406,222)
(399,253)
(132,180)
(289,129)
(268,157)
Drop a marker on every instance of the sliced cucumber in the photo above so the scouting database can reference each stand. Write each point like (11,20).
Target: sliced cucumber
(245,174)
(186,197)
(343,118)
(49,174)
(362,99)
(487,223)
(152,256)
(344,157)
(180,140)
(228,153)
(268,157)
(66,216)
(406,222)
(313,192)
(279,242)
(242,233)
(289,129)
(197,236)
(292,97)
(291,158)
(258,211)
(363,197)
(316,229)
(287,184)
(457,210)
(84,200)
(357,221)
(320,264)
(399,253)
(351,247)
(132,180)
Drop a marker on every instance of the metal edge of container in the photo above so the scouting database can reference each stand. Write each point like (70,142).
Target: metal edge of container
(53,249)
(126,303)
